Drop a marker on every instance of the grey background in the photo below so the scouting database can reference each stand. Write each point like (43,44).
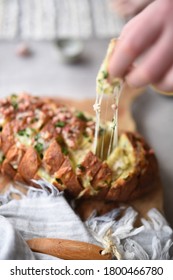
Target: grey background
(154,117)
(44,74)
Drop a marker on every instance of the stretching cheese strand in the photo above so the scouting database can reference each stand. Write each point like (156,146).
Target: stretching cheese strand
(105,86)
(97,109)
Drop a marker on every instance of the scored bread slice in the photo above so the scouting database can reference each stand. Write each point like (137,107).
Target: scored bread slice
(43,139)
(134,168)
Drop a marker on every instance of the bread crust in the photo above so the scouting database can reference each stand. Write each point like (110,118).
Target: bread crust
(143,176)
(40,137)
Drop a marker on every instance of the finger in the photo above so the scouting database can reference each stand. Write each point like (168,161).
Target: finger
(154,64)
(132,43)
(166,84)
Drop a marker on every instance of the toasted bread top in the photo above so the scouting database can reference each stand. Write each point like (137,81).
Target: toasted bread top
(43,139)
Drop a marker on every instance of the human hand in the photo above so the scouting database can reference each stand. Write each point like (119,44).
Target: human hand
(144,53)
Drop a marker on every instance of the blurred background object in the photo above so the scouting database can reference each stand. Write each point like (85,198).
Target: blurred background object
(52,19)
(23,49)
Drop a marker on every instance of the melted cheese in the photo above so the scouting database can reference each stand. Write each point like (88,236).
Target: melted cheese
(25,139)
(112,87)
(114,127)
(43,174)
(97,109)
(104,83)
(2,120)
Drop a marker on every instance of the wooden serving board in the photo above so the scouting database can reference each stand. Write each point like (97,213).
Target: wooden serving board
(154,199)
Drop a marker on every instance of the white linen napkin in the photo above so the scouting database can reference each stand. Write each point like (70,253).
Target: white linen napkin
(46,213)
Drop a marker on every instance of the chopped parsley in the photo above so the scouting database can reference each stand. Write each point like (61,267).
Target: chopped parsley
(60,124)
(28,132)
(39,148)
(64,150)
(105,74)
(2,159)
(81,167)
(14,101)
(37,136)
(81,116)
(23,132)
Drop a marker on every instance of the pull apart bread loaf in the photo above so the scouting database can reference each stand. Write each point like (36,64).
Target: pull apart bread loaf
(43,139)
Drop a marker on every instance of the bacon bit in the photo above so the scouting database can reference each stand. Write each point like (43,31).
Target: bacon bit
(71,134)
(24,105)
(58,129)
(45,107)
(25,96)
(91,125)
(28,120)
(90,128)
(62,115)
(47,110)
(4,101)
(8,110)
(50,113)
(45,135)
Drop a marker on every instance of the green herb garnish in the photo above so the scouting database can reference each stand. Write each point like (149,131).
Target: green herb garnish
(15,106)
(81,167)
(2,159)
(105,74)
(23,132)
(81,116)
(39,148)
(60,124)
(64,150)
(37,136)
(14,102)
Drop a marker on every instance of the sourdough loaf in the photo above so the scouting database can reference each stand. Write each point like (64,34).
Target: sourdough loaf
(41,138)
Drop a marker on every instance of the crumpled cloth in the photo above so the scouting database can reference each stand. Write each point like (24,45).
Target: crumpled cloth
(46,213)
